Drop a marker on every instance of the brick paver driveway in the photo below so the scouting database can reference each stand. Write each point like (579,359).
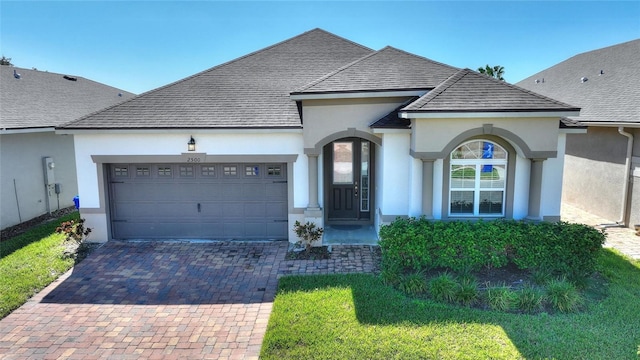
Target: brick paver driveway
(152,300)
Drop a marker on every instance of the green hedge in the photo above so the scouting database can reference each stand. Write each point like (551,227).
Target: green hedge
(561,248)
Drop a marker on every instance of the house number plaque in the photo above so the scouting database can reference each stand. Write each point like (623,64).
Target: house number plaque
(194,158)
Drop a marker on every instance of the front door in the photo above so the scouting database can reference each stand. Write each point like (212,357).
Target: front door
(348,177)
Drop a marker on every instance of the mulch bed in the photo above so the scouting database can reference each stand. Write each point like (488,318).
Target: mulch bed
(315,253)
(18,229)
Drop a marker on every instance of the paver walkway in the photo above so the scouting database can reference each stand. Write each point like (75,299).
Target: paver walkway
(163,300)
(624,240)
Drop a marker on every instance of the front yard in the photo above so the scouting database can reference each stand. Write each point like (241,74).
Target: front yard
(31,261)
(358,317)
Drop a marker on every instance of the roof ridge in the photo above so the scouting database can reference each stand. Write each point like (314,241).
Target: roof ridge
(423,58)
(337,71)
(214,68)
(442,87)
(355,62)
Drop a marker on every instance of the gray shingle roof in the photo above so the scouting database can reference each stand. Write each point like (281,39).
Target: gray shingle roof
(43,99)
(469,91)
(387,69)
(248,92)
(613,96)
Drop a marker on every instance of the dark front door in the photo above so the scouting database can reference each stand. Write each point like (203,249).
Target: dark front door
(348,165)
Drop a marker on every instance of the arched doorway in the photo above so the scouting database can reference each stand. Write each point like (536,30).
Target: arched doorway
(348,181)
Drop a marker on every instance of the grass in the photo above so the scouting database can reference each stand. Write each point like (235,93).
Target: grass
(358,317)
(31,261)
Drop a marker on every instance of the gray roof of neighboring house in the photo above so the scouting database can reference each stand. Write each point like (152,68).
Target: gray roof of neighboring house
(249,92)
(470,91)
(384,70)
(40,99)
(610,96)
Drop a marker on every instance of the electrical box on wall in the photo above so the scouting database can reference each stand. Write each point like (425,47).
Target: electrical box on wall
(49,175)
(58,188)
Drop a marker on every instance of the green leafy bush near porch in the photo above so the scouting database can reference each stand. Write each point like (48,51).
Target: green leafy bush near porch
(563,249)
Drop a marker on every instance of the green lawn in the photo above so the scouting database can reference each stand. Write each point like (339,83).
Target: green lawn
(29,262)
(357,317)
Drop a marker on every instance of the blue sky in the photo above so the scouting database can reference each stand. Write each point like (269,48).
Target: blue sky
(140,45)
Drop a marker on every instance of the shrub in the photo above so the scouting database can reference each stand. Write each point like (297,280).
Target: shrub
(542,276)
(530,299)
(563,249)
(308,233)
(405,243)
(501,298)
(466,292)
(73,231)
(413,284)
(443,287)
(564,296)
(391,276)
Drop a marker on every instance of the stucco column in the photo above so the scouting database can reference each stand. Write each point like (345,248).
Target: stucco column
(535,189)
(427,188)
(313,182)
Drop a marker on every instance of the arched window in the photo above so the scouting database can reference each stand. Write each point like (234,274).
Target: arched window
(478,179)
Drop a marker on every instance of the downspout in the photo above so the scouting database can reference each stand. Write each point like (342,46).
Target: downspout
(627,174)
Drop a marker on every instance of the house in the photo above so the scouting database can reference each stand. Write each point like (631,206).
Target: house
(602,167)
(317,128)
(38,168)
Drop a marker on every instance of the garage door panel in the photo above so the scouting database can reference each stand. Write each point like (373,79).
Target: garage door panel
(276,190)
(158,230)
(206,201)
(255,210)
(276,210)
(275,229)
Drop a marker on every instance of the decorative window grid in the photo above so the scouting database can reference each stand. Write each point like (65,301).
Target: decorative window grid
(121,171)
(274,170)
(230,170)
(143,171)
(164,171)
(208,170)
(186,171)
(251,170)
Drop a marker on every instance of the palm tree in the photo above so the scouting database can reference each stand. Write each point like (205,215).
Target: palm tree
(496,71)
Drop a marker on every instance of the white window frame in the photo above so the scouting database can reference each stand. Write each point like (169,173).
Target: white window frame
(477,164)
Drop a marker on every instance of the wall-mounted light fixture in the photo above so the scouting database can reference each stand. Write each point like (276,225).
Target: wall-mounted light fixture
(191,145)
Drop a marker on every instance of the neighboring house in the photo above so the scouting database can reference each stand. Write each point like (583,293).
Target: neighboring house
(317,128)
(38,168)
(602,167)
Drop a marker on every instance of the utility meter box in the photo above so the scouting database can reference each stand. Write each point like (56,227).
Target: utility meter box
(49,175)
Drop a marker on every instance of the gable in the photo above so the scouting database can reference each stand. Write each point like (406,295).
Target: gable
(469,91)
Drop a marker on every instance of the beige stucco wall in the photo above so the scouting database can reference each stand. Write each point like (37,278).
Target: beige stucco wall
(21,160)
(324,118)
(433,135)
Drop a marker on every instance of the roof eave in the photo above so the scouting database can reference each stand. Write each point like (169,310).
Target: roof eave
(27,130)
(611,124)
(219,130)
(414,114)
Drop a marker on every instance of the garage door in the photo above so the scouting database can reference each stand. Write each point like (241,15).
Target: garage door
(198,201)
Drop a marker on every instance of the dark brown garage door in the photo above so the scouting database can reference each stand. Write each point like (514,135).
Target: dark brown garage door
(198,201)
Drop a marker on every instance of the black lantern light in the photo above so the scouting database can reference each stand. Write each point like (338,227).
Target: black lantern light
(191,145)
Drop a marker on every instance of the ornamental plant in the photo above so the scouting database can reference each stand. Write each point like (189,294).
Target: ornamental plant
(308,233)
(73,231)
